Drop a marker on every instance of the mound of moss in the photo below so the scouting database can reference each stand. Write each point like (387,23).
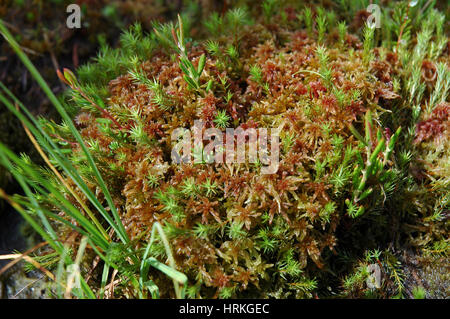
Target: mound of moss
(362,116)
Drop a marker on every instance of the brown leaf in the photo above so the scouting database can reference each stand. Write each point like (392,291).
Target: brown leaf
(386,94)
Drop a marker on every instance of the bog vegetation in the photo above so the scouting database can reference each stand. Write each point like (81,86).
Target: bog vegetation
(364,159)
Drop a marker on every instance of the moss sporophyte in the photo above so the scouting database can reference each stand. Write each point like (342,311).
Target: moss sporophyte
(284,150)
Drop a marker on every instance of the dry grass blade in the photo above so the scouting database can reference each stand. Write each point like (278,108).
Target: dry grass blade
(16,260)
(30,260)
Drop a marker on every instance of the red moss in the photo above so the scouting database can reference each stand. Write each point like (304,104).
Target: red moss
(435,125)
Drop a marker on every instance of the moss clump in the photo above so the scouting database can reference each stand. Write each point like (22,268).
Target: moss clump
(355,115)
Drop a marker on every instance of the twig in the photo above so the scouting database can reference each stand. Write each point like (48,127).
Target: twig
(16,260)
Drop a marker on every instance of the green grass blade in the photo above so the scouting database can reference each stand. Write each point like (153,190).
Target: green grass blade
(45,141)
(35,73)
(105,275)
(63,203)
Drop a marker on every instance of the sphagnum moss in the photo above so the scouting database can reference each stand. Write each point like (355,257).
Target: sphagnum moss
(363,159)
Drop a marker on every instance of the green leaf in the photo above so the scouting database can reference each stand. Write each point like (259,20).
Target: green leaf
(190,82)
(201,64)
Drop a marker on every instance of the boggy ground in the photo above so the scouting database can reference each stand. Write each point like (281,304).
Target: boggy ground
(258,80)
